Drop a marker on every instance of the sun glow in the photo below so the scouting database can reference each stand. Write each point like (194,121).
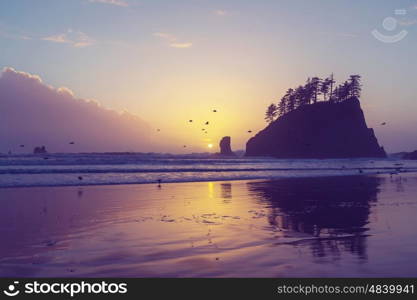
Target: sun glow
(210,146)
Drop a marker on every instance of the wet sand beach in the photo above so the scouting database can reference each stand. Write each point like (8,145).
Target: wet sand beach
(343,226)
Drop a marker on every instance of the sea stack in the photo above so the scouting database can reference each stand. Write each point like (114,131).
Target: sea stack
(411,155)
(320,130)
(225,148)
(40,150)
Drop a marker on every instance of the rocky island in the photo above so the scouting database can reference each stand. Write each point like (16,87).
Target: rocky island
(308,128)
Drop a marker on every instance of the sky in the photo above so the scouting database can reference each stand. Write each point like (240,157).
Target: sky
(167,62)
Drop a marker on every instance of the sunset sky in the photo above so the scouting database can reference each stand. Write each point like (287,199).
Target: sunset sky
(170,61)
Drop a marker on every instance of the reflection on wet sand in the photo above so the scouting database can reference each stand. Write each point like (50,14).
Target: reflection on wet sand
(334,210)
(334,226)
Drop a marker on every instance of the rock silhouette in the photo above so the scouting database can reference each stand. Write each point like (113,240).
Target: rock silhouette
(40,150)
(225,148)
(411,155)
(320,130)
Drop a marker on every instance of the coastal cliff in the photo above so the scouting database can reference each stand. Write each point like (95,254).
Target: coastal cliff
(320,130)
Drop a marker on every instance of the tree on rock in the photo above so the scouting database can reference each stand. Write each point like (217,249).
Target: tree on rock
(355,86)
(271,113)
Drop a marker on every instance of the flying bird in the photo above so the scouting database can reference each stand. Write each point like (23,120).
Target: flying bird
(71,143)
(214,110)
(190,121)
(383,123)
(80,178)
(207,122)
(249,131)
(158,129)
(22,146)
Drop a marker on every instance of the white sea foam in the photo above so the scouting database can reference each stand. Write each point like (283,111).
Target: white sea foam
(106,169)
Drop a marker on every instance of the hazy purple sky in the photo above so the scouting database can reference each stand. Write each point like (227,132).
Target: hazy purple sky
(170,61)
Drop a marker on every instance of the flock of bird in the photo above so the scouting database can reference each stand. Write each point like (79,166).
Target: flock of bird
(203,129)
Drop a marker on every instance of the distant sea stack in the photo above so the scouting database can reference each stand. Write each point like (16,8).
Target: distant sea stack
(225,147)
(319,130)
(411,155)
(40,150)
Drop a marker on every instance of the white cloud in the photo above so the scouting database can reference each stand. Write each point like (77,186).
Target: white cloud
(172,40)
(60,38)
(13,34)
(407,22)
(111,2)
(181,45)
(76,39)
(34,114)
(165,36)
(221,12)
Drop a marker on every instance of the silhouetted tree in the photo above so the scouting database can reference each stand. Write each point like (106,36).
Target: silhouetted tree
(271,113)
(309,93)
(335,96)
(282,107)
(290,99)
(315,86)
(332,82)
(324,88)
(355,86)
(299,95)
(344,91)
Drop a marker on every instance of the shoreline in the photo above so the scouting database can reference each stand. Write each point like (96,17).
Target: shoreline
(405,174)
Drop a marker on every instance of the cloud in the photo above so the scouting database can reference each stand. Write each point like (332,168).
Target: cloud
(407,22)
(60,38)
(221,13)
(12,34)
(76,39)
(172,40)
(34,114)
(181,45)
(111,2)
(165,36)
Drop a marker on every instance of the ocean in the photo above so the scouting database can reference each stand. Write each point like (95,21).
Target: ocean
(111,169)
(92,215)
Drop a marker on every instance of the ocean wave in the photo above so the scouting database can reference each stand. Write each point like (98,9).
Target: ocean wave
(188,170)
(105,169)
